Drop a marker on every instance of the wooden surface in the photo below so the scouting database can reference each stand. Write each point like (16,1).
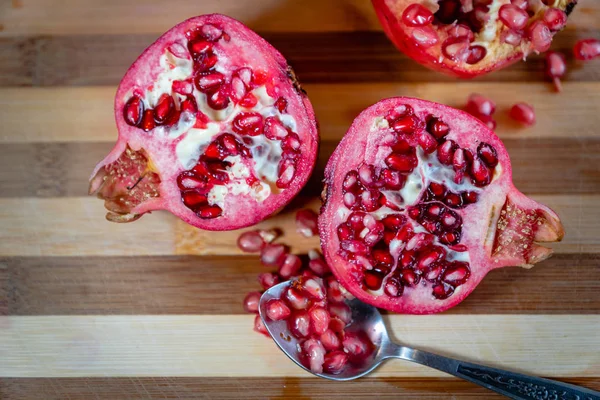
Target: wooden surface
(90,309)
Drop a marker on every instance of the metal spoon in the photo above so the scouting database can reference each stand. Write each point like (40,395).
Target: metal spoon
(367,318)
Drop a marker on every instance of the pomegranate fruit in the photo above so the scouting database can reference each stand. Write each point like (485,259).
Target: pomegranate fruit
(213,127)
(467,38)
(437,212)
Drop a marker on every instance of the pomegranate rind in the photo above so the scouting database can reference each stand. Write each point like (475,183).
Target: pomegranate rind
(500,55)
(161,151)
(481,233)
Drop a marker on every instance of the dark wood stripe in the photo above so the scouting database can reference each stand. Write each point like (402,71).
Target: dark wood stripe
(564,284)
(317,57)
(560,165)
(247,388)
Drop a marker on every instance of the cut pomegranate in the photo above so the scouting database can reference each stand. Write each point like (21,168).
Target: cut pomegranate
(587,49)
(467,38)
(556,68)
(523,113)
(212,123)
(455,217)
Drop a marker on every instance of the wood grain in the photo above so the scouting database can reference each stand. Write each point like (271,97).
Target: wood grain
(316,57)
(225,345)
(564,284)
(248,388)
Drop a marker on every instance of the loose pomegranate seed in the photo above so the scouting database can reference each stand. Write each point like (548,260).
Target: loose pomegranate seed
(523,113)
(315,353)
(268,279)
(330,340)
(299,324)
(291,266)
(335,362)
(425,36)
(250,242)
(555,19)
(274,129)
(277,310)
(587,49)
(251,302)
(555,68)
(341,311)
(481,105)
(306,223)
(513,17)
(295,299)
(417,15)
(319,320)
(133,110)
(356,345)
(540,36)
(259,326)
(273,254)
(314,287)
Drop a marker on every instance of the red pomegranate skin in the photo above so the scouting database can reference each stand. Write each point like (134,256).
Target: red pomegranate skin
(499,227)
(141,172)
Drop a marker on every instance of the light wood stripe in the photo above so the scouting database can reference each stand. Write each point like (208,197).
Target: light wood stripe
(224,345)
(76,226)
(249,388)
(86,114)
(55,17)
(317,57)
(63,169)
(564,284)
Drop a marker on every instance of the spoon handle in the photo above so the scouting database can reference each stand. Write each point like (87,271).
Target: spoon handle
(510,384)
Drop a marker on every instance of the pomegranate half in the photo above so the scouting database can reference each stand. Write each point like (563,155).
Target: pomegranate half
(419,206)
(213,127)
(467,38)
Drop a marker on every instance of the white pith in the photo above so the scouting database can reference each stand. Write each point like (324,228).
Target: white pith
(191,142)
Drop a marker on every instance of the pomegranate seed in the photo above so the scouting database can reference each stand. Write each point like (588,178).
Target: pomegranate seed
(449,238)
(393,288)
(470,197)
(448,11)
(460,31)
(419,241)
(248,123)
(555,68)
(350,181)
(366,174)
(341,311)
(511,37)
(281,104)
(133,110)
(540,36)
(407,258)
(314,287)
(555,19)
(394,221)
(238,89)
(427,257)
(522,4)
(523,113)
(209,81)
(446,151)
(200,47)
(306,223)
(193,199)
(356,345)
(335,362)
(481,105)
(273,254)
(453,200)
(425,36)
(476,54)
(480,173)
(249,101)
(513,17)
(319,320)
(209,211)
(407,125)
(277,310)
(417,15)
(259,326)
(456,49)
(383,257)
(330,340)
(295,299)
(291,142)
(355,220)
(189,105)
(211,32)
(587,49)
(433,272)
(250,242)
(274,129)
(457,274)
(392,180)
(409,277)
(437,190)
(373,280)
(459,163)
(317,264)
(287,172)
(442,291)
(251,302)
(488,154)
(148,123)
(427,142)
(354,246)
(437,128)
(291,266)
(299,324)
(218,100)
(268,279)
(315,353)
(450,220)
(402,147)
(402,162)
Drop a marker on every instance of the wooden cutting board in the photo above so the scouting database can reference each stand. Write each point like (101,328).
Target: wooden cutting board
(91,309)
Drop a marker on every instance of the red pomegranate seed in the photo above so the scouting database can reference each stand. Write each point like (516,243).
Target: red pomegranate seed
(148,123)
(189,105)
(341,311)
(133,110)
(306,223)
(555,68)
(513,17)
(456,49)
(481,175)
(555,19)
(287,172)
(511,37)
(218,100)
(540,36)
(437,190)
(409,277)
(446,151)
(457,273)
(383,257)
(442,291)
(356,344)
(209,211)
(587,49)
(281,105)
(366,174)
(277,310)
(250,242)
(488,154)
(393,287)
(295,299)
(522,4)
(290,267)
(315,353)
(460,31)
(259,326)
(480,105)
(251,302)
(274,129)
(419,241)
(249,101)
(335,362)
(193,199)
(299,324)
(402,162)
(392,180)
(248,123)
(373,279)
(319,320)
(238,89)
(437,128)
(459,163)
(317,264)
(314,287)
(417,15)
(523,113)
(199,47)
(425,36)
(407,125)
(268,279)
(453,200)
(330,340)
(428,257)
(476,54)
(427,142)
(273,254)
(394,221)
(211,32)
(209,81)
(470,197)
